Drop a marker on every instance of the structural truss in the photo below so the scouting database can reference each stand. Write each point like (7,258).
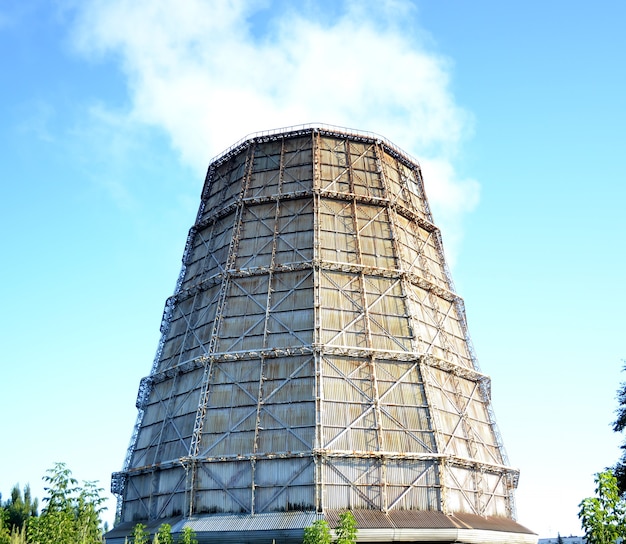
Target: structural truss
(314,356)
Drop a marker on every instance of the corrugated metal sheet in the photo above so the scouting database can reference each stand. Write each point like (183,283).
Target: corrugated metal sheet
(380,527)
(258,522)
(489,523)
(321,243)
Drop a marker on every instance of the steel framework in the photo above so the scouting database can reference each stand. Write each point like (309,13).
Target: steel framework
(315,355)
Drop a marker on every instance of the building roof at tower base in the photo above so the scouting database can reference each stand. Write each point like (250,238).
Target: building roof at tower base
(373,526)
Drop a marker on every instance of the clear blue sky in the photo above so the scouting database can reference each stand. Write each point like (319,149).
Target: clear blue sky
(111,110)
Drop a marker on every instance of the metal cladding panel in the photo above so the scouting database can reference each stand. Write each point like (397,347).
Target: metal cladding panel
(398,422)
(168,497)
(256,236)
(188,331)
(375,236)
(232,474)
(387,316)
(405,186)
(363,311)
(283,438)
(294,227)
(155,495)
(285,421)
(224,487)
(418,251)
(166,439)
(412,485)
(437,327)
(353,481)
(337,230)
(247,325)
(405,431)
(464,418)
(284,485)
(479,494)
(351,233)
(209,251)
(223,185)
(279,485)
(314,354)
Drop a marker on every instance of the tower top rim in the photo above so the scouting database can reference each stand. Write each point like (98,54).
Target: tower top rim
(309,128)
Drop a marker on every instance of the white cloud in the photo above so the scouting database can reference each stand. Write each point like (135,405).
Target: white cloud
(208,73)
(450,198)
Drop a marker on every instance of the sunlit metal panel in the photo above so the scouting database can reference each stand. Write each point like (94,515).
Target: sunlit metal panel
(315,357)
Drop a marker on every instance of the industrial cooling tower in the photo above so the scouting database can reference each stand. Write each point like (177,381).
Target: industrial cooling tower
(315,359)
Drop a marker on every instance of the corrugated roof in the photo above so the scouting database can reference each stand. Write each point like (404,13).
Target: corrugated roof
(247,522)
(123,529)
(490,523)
(420,519)
(231,525)
(427,519)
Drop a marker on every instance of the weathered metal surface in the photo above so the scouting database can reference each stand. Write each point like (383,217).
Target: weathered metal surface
(373,526)
(314,355)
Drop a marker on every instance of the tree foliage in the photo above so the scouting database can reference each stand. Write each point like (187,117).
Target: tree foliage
(188,536)
(140,534)
(19,508)
(18,536)
(72,512)
(603,517)
(317,533)
(345,532)
(5,535)
(164,535)
(15,514)
(619,425)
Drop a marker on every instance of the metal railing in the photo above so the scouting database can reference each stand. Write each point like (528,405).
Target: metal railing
(308,128)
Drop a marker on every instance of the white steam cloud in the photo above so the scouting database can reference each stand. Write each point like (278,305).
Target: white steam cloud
(211,72)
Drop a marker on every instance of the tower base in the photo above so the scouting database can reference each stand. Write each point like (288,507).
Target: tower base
(373,527)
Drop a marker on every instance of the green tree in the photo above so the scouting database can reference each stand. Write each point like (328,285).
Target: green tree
(5,534)
(603,517)
(619,425)
(346,530)
(140,535)
(164,535)
(559,539)
(188,536)
(317,533)
(71,514)
(18,535)
(14,535)
(88,510)
(56,522)
(19,508)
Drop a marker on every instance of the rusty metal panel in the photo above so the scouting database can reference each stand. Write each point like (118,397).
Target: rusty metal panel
(222,179)
(314,355)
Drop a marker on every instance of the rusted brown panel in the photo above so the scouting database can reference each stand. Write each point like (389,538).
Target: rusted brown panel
(490,523)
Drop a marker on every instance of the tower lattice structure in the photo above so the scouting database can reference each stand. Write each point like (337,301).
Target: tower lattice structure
(315,358)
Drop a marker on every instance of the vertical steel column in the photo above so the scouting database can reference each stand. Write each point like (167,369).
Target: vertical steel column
(440,441)
(369,344)
(318,456)
(268,305)
(196,437)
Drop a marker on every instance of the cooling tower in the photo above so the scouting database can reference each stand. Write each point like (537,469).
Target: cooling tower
(314,359)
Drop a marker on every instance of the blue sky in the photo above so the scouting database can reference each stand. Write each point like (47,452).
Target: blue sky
(111,112)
